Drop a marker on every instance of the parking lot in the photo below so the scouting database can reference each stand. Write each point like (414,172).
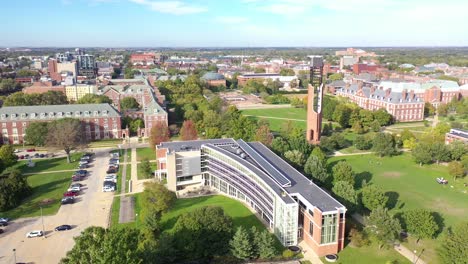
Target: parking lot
(91,208)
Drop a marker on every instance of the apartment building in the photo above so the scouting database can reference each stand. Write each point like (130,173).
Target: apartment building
(292,206)
(99,121)
(77,91)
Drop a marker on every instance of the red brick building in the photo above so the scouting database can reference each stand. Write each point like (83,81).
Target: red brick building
(456,135)
(143,58)
(43,87)
(99,121)
(361,67)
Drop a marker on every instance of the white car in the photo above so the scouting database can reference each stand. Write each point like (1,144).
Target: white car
(35,233)
(74,189)
(82,162)
(108,189)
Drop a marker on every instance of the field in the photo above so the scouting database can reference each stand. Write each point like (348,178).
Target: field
(410,186)
(44,186)
(369,255)
(46,165)
(145,153)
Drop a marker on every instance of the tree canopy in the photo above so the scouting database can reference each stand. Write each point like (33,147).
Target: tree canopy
(128,103)
(94,99)
(159,133)
(453,246)
(382,226)
(47,98)
(420,223)
(66,134)
(36,133)
(373,197)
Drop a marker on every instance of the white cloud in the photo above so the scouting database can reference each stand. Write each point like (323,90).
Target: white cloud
(231,19)
(171,7)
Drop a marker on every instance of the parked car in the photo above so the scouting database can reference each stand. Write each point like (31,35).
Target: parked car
(36,155)
(81,172)
(36,233)
(63,227)
(68,200)
(31,150)
(16,151)
(1,231)
(74,189)
(42,155)
(76,178)
(76,184)
(69,194)
(114,161)
(89,154)
(111,170)
(111,179)
(82,162)
(4,219)
(3,223)
(26,156)
(21,156)
(115,155)
(108,188)
(83,166)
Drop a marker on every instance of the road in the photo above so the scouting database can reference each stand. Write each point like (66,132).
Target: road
(92,208)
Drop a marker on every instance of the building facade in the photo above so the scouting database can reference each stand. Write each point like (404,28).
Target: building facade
(99,121)
(289,204)
(456,135)
(77,91)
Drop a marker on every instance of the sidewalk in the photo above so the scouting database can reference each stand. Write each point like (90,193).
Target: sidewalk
(405,252)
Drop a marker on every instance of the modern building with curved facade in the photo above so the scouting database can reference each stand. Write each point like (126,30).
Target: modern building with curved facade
(290,205)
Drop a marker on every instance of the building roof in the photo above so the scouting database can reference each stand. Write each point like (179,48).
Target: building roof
(193,144)
(381,94)
(211,76)
(39,112)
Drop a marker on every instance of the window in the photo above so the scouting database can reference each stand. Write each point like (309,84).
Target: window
(86,113)
(328,229)
(51,114)
(33,115)
(4,125)
(68,114)
(14,124)
(15,131)
(24,124)
(13,116)
(3,116)
(311,228)
(23,115)
(96,113)
(77,113)
(43,115)
(59,114)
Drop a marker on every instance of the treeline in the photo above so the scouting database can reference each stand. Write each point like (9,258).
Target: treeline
(52,98)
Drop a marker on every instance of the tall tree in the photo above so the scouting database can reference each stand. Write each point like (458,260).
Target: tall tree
(36,133)
(266,245)
(384,227)
(420,223)
(456,169)
(280,145)
(440,152)
(316,169)
(203,233)
(317,151)
(343,171)
(159,133)
(373,197)
(383,144)
(241,244)
(383,117)
(422,153)
(66,134)
(295,157)
(188,131)
(129,103)
(264,135)
(453,246)
(13,189)
(7,155)
(145,168)
(346,194)
(457,150)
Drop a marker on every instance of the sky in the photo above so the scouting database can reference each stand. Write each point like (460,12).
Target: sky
(233,23)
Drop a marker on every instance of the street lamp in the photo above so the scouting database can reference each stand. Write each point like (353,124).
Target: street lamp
(414,259)
(14,254)
(42,219)
(136,220)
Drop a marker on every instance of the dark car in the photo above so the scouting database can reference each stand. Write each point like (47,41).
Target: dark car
(69,194)
(67,200)
(81,172)
(26,156)
(76,178)
(21,157)
(83,166)
(41,155)
(36,155)
(111,170)
(3,223)
(63,227)
(88,154)
(1,231)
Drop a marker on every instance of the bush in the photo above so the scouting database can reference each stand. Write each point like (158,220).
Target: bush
(358,239)
(288,254)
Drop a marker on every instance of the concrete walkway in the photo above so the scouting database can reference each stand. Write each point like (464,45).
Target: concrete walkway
(46,172)
(280,118)
(405,252)
(127,212)
(309,253)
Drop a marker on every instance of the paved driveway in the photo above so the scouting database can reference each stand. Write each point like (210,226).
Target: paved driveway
(91,208)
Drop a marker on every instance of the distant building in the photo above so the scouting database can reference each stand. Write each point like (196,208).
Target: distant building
(456,135)
(355,52)
(77,91)
(26,79)
(99,121)
(38,64)
(348,61)
(146,58)
(359,68)
(290,205)
(285,80)
(43,87)
(86,65)
(214,79)
(404,106)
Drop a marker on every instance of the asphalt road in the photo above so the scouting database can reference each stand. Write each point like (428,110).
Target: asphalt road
(91,208)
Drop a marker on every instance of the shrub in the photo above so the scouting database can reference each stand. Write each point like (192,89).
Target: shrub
(358,239)
(288,254)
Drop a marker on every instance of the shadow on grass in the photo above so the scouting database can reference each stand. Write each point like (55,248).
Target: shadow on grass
(361,177)
(392,199)
(440,223)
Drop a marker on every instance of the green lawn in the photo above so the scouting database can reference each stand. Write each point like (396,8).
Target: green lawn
(115,211)
(44,165)
(292,113)
(369,255)
(140,176)
(128,177)
(411,186)
(105,143)
(44,186)
(143,153)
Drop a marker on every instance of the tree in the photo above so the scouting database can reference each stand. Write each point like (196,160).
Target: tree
(409,143)
(99,245)
(440,152)
(8,86)
(13,189)
(336,77)
(358,128)
(241,246)
(94,99)
(264,135)
(346,194)
(136,124)
(384,227)
(442,110)
(316,169)
(287,72)
(156,197)
(320,155)
(145,168)
(66,134)
(429,109)
(266,245)
(159,133)
(373,197)
(457,150)
(453,245)
(383,144)
(295,157)
(343,171)
(420,223)
(36,133)
(422,153)
(383,117)
(456,169)
(7,155)
(280,145)
(341,114)
(188,131)
(203,233)
(362,142)
(128,103)
(375,126)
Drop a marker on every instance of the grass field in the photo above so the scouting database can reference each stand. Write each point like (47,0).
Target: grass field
(46,165)
(410,186)
(143,153)
(105,143)
(369,255)
(115,211)
(44,186)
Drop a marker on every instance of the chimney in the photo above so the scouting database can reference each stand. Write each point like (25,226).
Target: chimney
(411,95)
(372,89)
(360,84)
(404,94)
(387,92)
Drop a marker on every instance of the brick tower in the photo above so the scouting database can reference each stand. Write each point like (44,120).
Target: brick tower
(314,100)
